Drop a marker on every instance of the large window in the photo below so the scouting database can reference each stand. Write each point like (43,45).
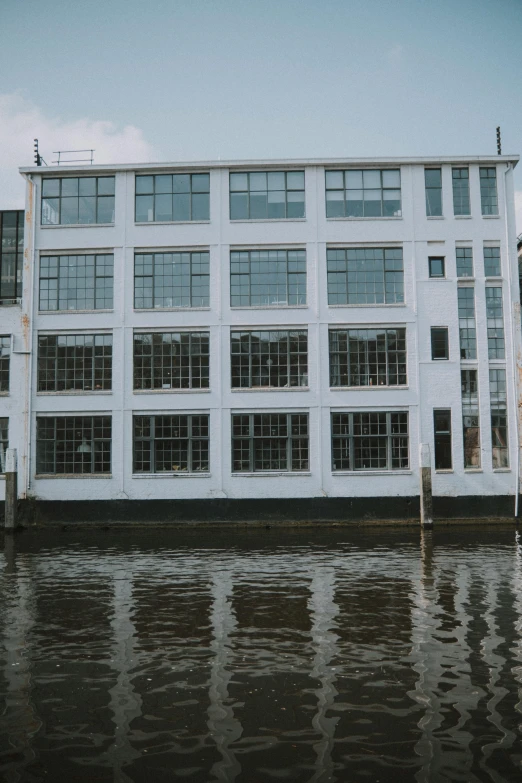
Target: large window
(370,441)
(69,445)
(365,275)
(464,261)
(367,357)
(467,327)
(5,357)
(76,282)
(172,197)
(269,359)
(495,323)
(442,433)
(77,200)
(262,195)
(171,360)
(4,442)
(74,362)
(171,444)
(488,191)
(433,184)
(439,342)
(492,262)
(363,193)
(470,418)
(499,425)
(267,277)
(171,280)
(11,255)
(461,205)
(269,442)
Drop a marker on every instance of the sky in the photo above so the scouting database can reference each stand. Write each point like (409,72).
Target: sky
(169,80)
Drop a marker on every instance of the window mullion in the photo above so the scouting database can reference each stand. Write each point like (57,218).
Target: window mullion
(351,443)
(388,442)
(251,442)
(152,442)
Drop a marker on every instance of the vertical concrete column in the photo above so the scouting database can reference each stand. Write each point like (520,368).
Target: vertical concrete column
(426,500)
(11,489)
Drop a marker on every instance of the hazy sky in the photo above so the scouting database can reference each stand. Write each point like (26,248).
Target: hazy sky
(202,79)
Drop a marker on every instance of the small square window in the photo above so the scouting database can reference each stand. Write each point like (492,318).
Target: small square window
(439,342)
(436,264)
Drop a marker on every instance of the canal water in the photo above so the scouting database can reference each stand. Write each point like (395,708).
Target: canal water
(261,655)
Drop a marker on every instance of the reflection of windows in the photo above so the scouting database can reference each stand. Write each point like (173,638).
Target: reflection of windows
(495,323)
(433,184)
(442,432)
(464,261)
(363,193)
(73,444)
(269,441)
(436,266)
(4,442)
(74,362)
(5,356)
(77,200)
(269,359)
(439,342)
(11,255)
(369,441)
(172,197)
(467,327)
(76,282)
(461,204)
(488,191)
(492,261)
(262,195)
(367,357)
(499,428)
(171,360)
(171,280)
(171,444)
(470,418)
(365,275)
(267,277)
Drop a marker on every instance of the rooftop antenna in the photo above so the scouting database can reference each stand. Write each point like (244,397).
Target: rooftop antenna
(37,157)
(499,141)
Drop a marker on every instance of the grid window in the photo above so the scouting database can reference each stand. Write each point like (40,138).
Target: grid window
(495,323)
(269,359)
(433,184)
(439,342)
(267,277)
(492,262)
(11,255)
(366,275)
(464,261)
(70,445)
(488,191)
(467,326)
(5,357)
(74,362)
(165,198)
(369,441)
(267,195)
(499,427)
(269,441)
(470,418)
(367,357)
(171,444)
(171,280)
(4,442)
(171,360)
(83,282)
(363,193)
(461,204)
(436,266)
(77,200)
(442,431)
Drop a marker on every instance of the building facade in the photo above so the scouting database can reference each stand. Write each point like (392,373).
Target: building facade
(269,330)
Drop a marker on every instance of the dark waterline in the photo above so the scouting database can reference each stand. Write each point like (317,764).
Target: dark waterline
(261,655)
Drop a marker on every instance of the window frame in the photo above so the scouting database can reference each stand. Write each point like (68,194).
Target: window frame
(105,260)
(433,348)
(298,368)
(97,196)
(464,258)
(248,194)
(338,276)
(192,194)
(467,323)
(194,277)
(302,442)
(4,441)
(102,372)
(345,357)
(189,418)
(13,254)
(352,442)
(488,255)
(383,189)
(499,418)
(295,277)
(432,275)
(78,422)
(432,210)
(5,363)
(192,334)
(442,443)
(496,334)
(470,411)
(458,211)
(489,206)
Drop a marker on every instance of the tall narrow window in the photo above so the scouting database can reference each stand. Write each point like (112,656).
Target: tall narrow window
(83,282)
(461,204)
(171,280)
(77,200)
(492,262)
(267,277)
(267,195)
(171,360)
(11,255)
(269,442)
(4,442)
(495,323)
(73,444)
(171,444)
(74,362)
(363,193)
(5,357)
(367,357)
(467,326)
(370,441)
(488,191)
(464,261)
(269,359)
(172,197)
(365,275)
(442,431)
(499,426)
(439,342)
(470,418)
(433,182)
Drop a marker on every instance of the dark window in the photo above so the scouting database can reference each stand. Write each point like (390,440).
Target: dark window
(367,357)
(495,323)
(461,204)
(467,326)
(171,280)
(74,362)
(11,255)
(366,275)
(363,193)
(492,261)
(73,444)
(4,442)
(369,441)
(5,357)
(470,419)
(172,197)
(76,282)
(269,441)
(267,277)
(439,342)
(269,359)
(171,444)
(488,191)
(77,200)
(442,429)
(499,425)
(436,264)
(262,195)
(433,183)
(171,360)
(464,261)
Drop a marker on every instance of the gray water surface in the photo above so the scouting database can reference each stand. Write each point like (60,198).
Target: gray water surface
(262,655)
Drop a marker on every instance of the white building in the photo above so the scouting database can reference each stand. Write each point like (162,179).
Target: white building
(269,331)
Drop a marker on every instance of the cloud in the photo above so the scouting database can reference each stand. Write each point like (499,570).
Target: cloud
(518,211)
(21,121)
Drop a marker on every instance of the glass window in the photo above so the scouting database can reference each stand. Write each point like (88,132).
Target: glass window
(365,275)
(439,342)
(464,261)
(461,204)
(495,323)
(74,362)
(269,442)
(267,277)
(83,282)
(492,262)
(269,359)
(442,430)
(5,356)
(499,427)
(467,326)
(172,197)
(367,357)
(436,266)
(370,441)
(171,360)
(77,200)
(488,191)
(11,255)
(177,443)
(171,280)
(433,183)
(69,445)
(4,442)
(359,193)
(470,418)
(267,195)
